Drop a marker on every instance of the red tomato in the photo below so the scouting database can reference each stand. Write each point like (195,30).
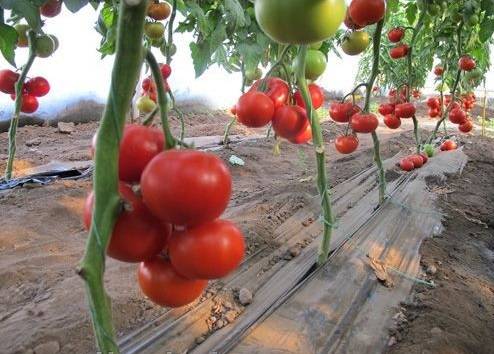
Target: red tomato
(290,121)
(350,24)
(233,110)
(8,78)
(425,158)
(455,105)
(138,146)
(405,110)
(341,112)
(466,127)
(255,109)
(164,286)
(466,63)
(276,89)
(366,12)
(438,70)
(434,112)
(38,86)
(186,187)
(208,251)
(448,145)
(316,94)
(433,102)
(303,137)
(148,85)
(386,108)
(346,144)
(137,235)
(364,122)
(392,121)
(51,8)
(406,164)
(166,70)
(396,34)
(457,116)
(30,104)
(417,160)
(399,51)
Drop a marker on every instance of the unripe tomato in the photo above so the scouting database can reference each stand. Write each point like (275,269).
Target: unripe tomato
(160,282)
(396,34)
(8,79)
(303,137)
(457,116)
(45,46)
(166,71)
(438,70)
(364,122)
(346,144)
(276,89)
(367,12)
(355,43)
(209,251)
(406,164)
(186,187)
(51,8)
(316,95)
(429,150)
(253,74)
(30,104)
(466,127)
(433,102)
(399,51)
(299,21)
(350,24)
(159,11)
(255,109)
(316,45)
(405,110)
(137,235)
(145,104)
(290,121)
(448,145)
(315,64)
(386,108)
(417,160)
(341,112)
(466,63)
(154,30)
(392,121)
(38,86)
(22,40)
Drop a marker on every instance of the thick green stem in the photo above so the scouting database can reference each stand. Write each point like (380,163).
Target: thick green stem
(128,61)
(279,62)
(244,79)
(416,31)
(18,104)
(376,42)
(163,100)
(169,41)
(317,139)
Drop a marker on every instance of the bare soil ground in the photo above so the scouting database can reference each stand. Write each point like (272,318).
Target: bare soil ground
(42,237)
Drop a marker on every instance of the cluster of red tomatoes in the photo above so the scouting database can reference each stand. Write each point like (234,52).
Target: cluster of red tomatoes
(169,220)
(435,106)
(458,116)
(468,101)
(276,105)
(32,89)
(412,162)
(149,94)
(400,50)
(397,108)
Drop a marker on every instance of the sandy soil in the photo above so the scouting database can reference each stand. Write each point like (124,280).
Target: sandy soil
(42,237)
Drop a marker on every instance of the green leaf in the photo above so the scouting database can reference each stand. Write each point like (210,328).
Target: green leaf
(235,13)
(27,9)
(486,29)
(8,41)
(75,5)
(200,57)
(411,13)
(393,6)
(488,7)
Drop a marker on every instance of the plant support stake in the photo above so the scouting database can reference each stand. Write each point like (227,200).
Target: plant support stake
(317,139)
(126,69)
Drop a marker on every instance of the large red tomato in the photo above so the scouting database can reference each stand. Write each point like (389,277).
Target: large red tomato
(164,286)
(186,187)
(386,108)
(448,145)
(29,104)
(399,51)
(392,121)
(255,109)
(433,102)
(316,94)
(137,235)
(346,144)
(51,8)
(8,78)
(138,146)
(367,12)
(438,70)
(290,121)
(434,112)
(276,89)
(396,34)
(166,70)
(417,160)
(466,126)
(364,122)
(350,24)
(457,116)
(341,112)
(466,63)
(38,86)
(208,251)
(406,164)
(303,137)
(405,110)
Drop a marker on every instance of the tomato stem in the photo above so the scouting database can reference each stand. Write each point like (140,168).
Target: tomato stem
(126,69)
(228,127)
(169,41)
(279,62)
(317,139)
(163,100)
(14,123)
(352,93)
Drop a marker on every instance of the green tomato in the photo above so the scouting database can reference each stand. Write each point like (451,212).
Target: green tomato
(429,150)
(154,30)
(315,64)
(300,21)
(355,43)
(473,75)
(442,87)
(251,12)
(157,43)
(473,20)
(145,104)
(172,49)
(316,45)
(55,40)
(253,74)
(22,40)
(45,46)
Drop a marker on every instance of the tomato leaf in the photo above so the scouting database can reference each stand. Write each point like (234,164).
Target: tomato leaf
(488,7)
(200,57)
(27,9)
(411,13)
(486,29)
(8,41)
(75,5)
